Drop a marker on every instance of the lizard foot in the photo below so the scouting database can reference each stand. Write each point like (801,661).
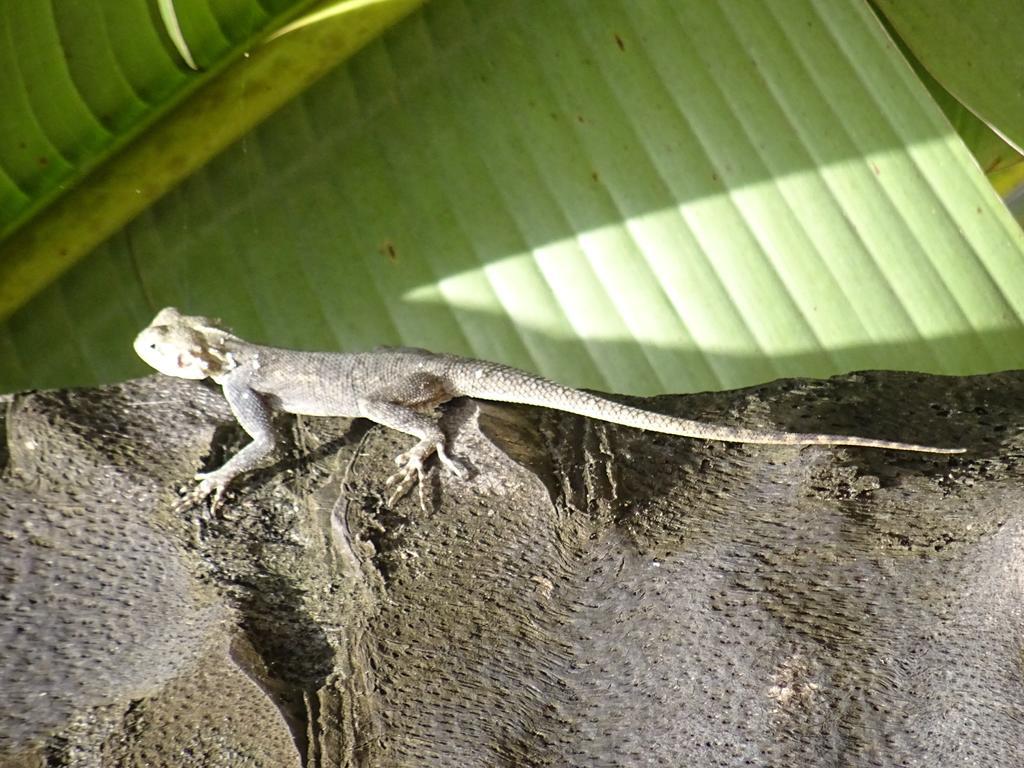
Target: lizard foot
(209,482)
(411,469)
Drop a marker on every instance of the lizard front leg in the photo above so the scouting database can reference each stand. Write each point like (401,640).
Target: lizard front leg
(411,462)
(256,418)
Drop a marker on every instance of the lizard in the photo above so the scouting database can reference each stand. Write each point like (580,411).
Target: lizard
(397,388)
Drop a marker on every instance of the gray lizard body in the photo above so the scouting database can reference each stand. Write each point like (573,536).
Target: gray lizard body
(394,387)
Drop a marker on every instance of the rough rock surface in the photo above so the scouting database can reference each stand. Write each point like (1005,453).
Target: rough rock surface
(593,596)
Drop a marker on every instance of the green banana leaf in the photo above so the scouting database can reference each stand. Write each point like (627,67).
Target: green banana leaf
(972,47)
(640,197)
(117,70)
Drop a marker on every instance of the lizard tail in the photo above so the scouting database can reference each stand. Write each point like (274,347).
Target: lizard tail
(493,381)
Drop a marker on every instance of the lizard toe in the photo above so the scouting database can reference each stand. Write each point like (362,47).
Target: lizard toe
(410,472)
(456,467)
(407,474)
(403,482)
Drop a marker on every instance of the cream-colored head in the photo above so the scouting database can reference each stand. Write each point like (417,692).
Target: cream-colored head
(185,346)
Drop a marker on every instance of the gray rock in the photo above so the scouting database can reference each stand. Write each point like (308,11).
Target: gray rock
(593,596)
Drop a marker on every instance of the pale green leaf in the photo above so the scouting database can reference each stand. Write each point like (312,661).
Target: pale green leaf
(642,197)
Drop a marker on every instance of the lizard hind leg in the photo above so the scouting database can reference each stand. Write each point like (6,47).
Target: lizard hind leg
(411,463)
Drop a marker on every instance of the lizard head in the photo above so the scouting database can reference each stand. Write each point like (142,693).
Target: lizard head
(185,346)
